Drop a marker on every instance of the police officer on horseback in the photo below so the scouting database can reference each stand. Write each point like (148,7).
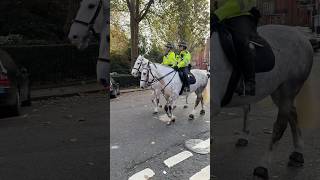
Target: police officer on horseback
(183,66)
(240,17)
(169,58)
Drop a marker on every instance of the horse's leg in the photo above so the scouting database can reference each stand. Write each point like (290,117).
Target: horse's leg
(296,158)
(199,98)
(158,98)
(284,99)
(169,111)
(202,112)
(243,139)
(154,101)
(186,105)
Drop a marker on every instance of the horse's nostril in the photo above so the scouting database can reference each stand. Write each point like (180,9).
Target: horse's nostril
(75,37)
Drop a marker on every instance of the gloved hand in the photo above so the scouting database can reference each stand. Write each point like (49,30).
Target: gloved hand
(176,68)
(214,23)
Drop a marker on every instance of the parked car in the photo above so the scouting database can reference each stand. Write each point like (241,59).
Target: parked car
(114,88)
(14,85)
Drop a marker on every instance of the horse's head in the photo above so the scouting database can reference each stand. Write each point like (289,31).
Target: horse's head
(144,76)
(83,25)
(138,65)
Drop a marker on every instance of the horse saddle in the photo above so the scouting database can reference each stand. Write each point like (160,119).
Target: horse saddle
(190,78)
(264,59)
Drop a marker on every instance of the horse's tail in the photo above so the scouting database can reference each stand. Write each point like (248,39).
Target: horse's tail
(307,103)
(205,95)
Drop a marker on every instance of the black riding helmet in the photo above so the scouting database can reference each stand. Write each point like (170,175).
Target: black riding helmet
(169,45)
(183,44)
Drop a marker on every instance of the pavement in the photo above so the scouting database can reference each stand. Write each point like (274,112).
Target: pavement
(72,90)
(141,144)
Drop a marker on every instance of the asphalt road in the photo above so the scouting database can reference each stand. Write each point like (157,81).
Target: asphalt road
(140,140)
(56,139)
(231,163)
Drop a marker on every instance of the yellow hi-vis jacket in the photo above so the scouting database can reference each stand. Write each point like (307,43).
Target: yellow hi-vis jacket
(184,59)
(233,8)
(169,59)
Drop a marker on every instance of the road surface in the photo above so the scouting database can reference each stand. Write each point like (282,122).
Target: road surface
(140,140)
(56,139)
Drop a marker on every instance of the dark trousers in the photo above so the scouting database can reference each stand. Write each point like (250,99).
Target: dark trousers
(183,72)
(242,28)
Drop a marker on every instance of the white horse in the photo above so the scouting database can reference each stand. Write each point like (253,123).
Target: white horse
(92,18)
(294,58)
(155,86)
(171,84)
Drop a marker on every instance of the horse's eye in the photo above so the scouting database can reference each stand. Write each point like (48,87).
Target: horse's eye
(138,63)
(144,74)
(91,6)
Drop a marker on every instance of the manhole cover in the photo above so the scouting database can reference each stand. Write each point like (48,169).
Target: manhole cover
(198,146)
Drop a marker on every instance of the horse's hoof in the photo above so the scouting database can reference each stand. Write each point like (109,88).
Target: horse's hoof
(185,106)
(160,106)
(296,160)
(168,123)
(242,142)
(202,112)
(155,112)
(173,120)
(261,173)
(191,117)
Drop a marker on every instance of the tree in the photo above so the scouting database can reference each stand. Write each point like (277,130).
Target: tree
(175,20)
(136,15)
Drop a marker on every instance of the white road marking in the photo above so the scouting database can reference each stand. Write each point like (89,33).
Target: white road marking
(203,144)
(203,174)
(170,162)
(115,147)
(143,175)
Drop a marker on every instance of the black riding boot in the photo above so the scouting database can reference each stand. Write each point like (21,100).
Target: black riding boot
(249,72)
(186,79)
(242,28)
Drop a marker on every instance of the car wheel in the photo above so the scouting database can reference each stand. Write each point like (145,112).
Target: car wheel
(115,93)
(118,91)
(28,101)
(16,109)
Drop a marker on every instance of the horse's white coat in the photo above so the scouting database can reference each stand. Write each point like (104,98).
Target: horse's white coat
(170,84)
(294,58)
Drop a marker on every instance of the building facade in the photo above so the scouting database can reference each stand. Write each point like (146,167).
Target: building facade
(287,12)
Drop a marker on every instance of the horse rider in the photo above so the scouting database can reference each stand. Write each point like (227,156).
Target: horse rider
(169,58)
(183,66)
(240,17)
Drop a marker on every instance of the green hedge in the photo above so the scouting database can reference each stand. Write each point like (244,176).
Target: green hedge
(55,63)
(126,80)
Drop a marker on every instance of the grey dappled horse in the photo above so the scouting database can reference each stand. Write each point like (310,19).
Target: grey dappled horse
(294,58)
(140,62)
(92,17)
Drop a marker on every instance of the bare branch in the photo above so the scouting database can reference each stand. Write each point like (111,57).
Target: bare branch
(145,10)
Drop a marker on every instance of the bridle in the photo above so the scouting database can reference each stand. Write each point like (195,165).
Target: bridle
(91,23)
(138,69)
(155,79)
(149,72)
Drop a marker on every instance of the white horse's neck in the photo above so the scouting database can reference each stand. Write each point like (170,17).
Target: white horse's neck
(159,70)
(104,32)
